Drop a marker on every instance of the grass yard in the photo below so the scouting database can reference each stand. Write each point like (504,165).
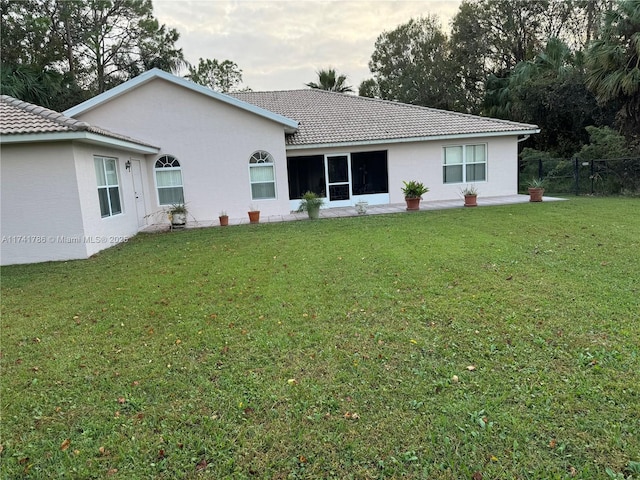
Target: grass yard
(487,343)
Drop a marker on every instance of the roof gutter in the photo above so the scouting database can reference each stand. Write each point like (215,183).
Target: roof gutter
(455,136)
(81,136)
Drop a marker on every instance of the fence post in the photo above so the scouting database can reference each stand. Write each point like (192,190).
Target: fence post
(576,174)
(540,169)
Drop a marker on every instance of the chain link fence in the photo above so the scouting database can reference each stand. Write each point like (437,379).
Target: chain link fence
(604,176)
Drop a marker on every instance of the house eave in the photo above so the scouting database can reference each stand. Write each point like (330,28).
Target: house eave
(80,136)
(456,136)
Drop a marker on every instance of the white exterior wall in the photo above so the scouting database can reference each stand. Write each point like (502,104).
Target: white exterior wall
(423,161)
(40,206)
(101,233)
(49,204)
(213,142)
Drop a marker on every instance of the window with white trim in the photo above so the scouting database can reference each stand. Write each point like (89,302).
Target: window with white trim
(465,164)
(108,187)
(169,180)
(262,176)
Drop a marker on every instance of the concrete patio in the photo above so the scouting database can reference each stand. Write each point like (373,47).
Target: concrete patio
(425,205)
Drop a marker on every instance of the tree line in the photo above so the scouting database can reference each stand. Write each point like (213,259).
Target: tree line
(58,53)
(561,64)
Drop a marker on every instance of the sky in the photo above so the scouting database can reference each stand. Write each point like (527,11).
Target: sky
(281,44)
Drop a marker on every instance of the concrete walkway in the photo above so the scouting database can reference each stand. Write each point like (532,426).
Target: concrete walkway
(425,205)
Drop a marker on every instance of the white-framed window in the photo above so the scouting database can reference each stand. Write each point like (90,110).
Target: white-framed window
(262,176)
(169,180)
(465,164)
(108,187)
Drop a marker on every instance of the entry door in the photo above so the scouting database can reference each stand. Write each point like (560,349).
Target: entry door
(338,179)
(136,172)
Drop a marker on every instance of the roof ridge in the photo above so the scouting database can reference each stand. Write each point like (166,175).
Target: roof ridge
(45,113)
(423,107)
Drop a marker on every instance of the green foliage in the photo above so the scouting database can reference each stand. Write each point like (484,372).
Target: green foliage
(470,71)
(562,108)
(158,50)
(409,64)
(548,91)
(95,44)
(491,37)
(222,76)
(414,189)
(536,183)
(177,208)
(369,88)
(110,34)
(612,165)
(469,52)
(310,201)
(32,84)
(624,174)
(613,62)
(469,190)
(500,33)
(498,100)
(604,142)
(329,80)
(27,39)
(195,354)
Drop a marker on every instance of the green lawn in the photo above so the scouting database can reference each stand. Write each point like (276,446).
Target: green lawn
(494,343)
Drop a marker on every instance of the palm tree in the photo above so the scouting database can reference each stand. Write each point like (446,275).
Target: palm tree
(329,80)
(613,62)
(555,61)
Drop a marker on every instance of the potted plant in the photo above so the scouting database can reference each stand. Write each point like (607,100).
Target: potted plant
(254,214)
(536,189)
(470,193)
(224,218)
(361,207)
(177,214)
(413,192)
(311,203)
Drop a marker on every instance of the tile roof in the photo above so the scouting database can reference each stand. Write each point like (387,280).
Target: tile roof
(17,117)
(334,118)
(21,118)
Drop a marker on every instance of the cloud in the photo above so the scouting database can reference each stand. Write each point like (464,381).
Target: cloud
(280,45)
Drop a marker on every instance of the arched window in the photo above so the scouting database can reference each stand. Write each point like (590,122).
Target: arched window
(169,180)
(262,176)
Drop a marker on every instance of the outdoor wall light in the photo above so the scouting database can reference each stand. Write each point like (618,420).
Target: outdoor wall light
(128,165)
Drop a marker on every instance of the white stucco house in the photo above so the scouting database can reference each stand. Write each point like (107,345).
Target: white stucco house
(81,181)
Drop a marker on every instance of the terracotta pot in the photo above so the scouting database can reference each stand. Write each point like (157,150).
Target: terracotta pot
(470,200)
(413,203)
(254,216)
(224,220)
(535,194)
